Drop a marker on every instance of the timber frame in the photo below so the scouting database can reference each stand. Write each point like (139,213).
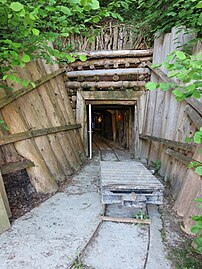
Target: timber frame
(109,78)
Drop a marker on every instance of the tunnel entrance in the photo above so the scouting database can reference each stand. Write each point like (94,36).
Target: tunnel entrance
(113,123)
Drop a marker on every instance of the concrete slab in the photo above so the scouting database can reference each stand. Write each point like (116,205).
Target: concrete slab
(47,236)
(118,246)
(157,255)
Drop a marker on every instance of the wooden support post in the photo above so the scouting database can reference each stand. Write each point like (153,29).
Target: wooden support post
(4,220)
(4,196)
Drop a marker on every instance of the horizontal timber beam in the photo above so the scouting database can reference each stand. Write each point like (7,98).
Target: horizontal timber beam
(104,85)
(35,133)
(111,95)
(17,94)
(112,102)
(169,143)
(116,53)
(108,72)
(191,101)
(126,220)
(17,166)
(111,61)
(194,116)
(179,156)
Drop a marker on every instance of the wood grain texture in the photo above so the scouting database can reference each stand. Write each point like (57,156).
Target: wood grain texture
(4,196)
(126,220)
(36,133)
(4,220)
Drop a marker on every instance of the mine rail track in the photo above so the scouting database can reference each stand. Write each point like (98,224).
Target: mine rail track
(103,147)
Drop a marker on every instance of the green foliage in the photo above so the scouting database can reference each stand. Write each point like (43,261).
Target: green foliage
(197,228)
(28,27)
(141,215)
(187,69)
(185,257)
(162,15)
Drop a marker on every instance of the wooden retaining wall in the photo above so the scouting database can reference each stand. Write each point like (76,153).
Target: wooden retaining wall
(163,120)
(44,137)
(108,36)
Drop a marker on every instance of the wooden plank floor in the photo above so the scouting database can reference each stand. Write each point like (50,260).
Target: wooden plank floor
(129,182)
(127,175)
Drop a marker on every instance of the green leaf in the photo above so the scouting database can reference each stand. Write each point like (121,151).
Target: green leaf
(151,86)
(32,17)
(6,128)
(195,229)
(83,58)
(198,170)
(199,5)
(177,93)
(95,4)
(35,31)
(64,34)
(190,87)
(156,65)
(50,8)
(5,77)
(96,19)
(65,10)
(198,200)
(164,86)
(16,6)
(25,58)
(180,55)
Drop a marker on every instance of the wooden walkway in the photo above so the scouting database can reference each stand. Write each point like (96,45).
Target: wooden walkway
(129,182)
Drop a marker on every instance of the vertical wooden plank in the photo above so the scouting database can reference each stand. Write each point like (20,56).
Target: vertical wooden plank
(4,196)
(40,175)
(4,220)
(81,117)
(136,133)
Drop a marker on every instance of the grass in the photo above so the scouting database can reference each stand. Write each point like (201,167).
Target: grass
(185,256)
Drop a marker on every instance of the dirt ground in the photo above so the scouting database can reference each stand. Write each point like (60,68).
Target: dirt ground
(21,194)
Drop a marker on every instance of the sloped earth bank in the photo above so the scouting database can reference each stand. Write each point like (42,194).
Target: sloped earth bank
(58,231)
